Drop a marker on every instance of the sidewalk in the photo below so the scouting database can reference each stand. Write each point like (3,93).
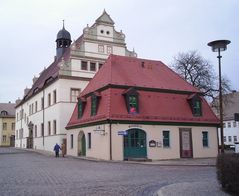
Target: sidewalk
(211,162)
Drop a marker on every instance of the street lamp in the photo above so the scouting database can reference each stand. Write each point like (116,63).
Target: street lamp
(218,46)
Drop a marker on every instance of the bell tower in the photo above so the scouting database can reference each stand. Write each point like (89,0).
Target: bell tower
(63,41)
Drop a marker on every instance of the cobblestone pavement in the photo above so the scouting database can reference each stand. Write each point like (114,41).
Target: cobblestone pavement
(28,173)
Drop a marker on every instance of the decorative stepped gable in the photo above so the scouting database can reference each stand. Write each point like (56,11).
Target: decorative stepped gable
(68,63)
(162,95)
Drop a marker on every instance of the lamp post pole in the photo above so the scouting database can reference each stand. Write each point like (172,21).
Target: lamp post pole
(220,102)
(218,46)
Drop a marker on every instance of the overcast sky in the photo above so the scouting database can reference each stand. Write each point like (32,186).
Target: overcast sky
(156,29)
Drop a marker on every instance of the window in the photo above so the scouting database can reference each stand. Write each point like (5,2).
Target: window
(195,104)
(49,99)
(30,109)
(133,104)
(4,138)
(89,140)
(84,65)
(131,100)
(205,139)
(235,138)
(166,139)
(109,49)
(229,138)
(234,124)
(94,104)
(224,125)
(42,129)
(92,66)
(20,133)
(100,65)
(81,107)
(17,116)
(21,114)
(42,103)
(225,138)
(54,96)
(101,48)
(4,113)
(35,130)
(4,126)
(197,108)
(71,140)
(229,124)
(16,134)
(49,127)
(74,94)
(13,126)
(54,127)
(36,106)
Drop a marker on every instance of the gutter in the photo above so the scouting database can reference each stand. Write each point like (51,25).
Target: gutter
(110,125)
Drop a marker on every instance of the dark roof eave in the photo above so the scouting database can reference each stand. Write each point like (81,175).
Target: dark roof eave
(104,121)
(40,90)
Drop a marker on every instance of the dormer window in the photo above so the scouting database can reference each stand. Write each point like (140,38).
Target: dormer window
(197,108)
(195,104)
(4,113)
(94,103)
(81,107)
(131,100)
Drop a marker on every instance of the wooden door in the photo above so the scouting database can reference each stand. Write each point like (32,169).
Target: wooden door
(186,150)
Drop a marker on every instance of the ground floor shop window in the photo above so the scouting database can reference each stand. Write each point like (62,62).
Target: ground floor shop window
(89,140)
(205,138)
(166,139)
(71,140)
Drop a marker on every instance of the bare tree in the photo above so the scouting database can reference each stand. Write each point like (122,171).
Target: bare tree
(200,73)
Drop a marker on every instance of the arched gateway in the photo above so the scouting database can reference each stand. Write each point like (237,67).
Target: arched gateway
(135,144)
(81,144)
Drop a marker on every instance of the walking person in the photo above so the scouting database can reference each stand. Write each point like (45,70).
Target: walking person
(63,149)
(57,148)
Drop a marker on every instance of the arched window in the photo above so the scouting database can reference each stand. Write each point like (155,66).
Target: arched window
(4,113)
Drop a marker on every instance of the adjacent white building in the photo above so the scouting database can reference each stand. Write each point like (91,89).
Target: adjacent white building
(230,126)
(44,111)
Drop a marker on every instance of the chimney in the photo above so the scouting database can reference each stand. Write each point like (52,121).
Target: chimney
(34,79)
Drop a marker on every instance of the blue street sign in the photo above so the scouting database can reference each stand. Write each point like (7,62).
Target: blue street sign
(122,133)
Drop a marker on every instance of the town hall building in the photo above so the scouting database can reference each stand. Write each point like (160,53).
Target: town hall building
(140,109)
(45,109)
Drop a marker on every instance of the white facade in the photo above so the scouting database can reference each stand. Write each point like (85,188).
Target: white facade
(230,132)
(45,123)
(100,141)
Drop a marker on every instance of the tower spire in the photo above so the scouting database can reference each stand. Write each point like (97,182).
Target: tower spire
(63,21)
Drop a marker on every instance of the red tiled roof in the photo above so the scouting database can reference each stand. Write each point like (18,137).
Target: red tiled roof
(131,71)
(154,105)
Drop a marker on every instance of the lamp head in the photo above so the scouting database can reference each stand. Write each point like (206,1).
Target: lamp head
(219,45)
